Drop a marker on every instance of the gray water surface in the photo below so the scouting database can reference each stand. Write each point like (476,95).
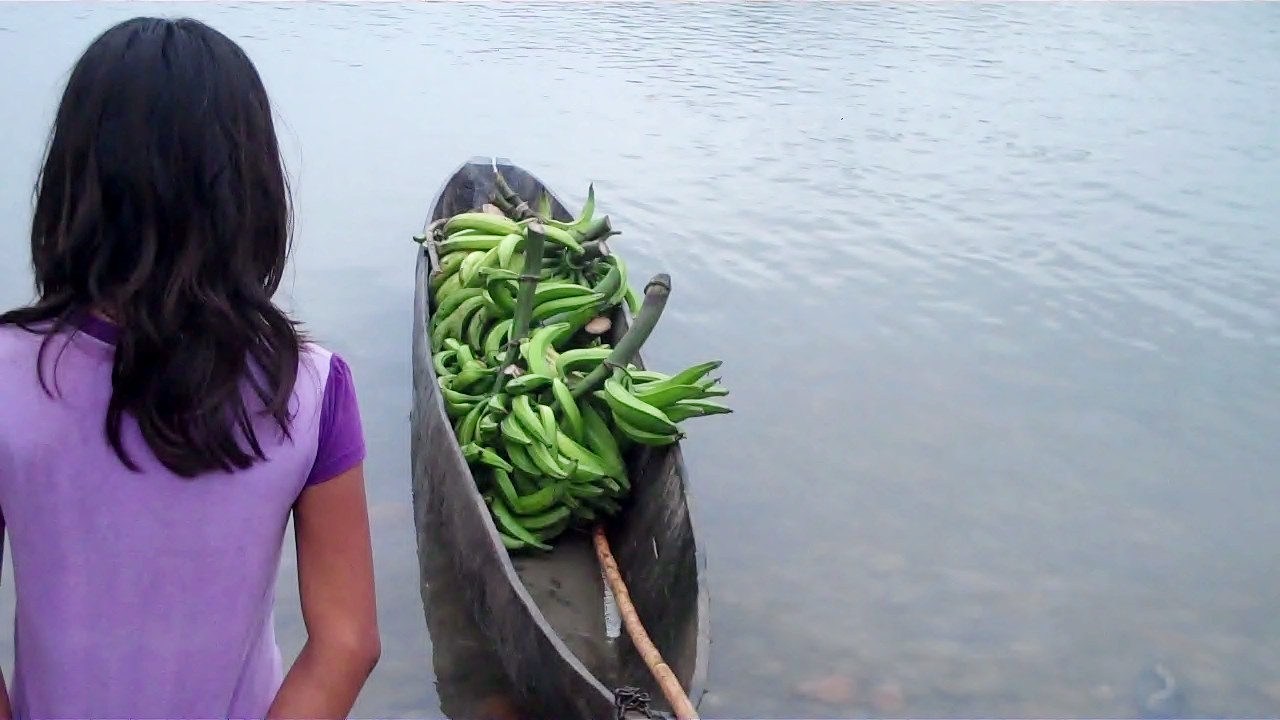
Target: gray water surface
(996,289)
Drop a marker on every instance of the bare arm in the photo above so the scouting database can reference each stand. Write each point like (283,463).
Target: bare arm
(6,710)
(335,580)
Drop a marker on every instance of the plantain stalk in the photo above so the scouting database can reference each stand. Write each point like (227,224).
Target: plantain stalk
(511,203)
(504,189)
(534,243)
(507,208)
(656,293)
(595,249)
(597,228)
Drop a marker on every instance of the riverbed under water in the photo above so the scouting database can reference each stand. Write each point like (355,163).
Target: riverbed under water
(996,288)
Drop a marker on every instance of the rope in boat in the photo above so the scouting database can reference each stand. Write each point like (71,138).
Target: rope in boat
(662,672)
(628,702)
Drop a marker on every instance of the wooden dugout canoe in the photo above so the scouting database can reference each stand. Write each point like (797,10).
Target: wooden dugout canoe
(545,614)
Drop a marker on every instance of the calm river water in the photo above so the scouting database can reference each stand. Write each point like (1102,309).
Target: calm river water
(997,288)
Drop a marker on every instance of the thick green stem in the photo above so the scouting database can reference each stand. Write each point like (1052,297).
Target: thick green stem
(518,208)
(507,208)
(656,293)
(544,207)
(595,249)
(504,189)
(597,228)
(534,243)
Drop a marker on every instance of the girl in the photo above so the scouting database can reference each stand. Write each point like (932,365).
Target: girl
(160,418)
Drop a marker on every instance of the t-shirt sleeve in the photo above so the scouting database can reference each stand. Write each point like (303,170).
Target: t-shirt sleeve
(341,445)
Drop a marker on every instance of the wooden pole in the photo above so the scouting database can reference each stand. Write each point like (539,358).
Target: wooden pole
(662,672)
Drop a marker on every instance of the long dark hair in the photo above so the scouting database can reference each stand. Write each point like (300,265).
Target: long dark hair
(163,203)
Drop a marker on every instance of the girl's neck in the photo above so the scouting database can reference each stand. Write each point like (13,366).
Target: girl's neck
(102,315)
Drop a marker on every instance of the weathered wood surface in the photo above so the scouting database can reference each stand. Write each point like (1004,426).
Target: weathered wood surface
(544,613)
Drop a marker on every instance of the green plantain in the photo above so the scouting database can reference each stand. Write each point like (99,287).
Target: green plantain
(645,437)
(511,543)
(494,339)
(666,395)
(546,463)
(451,285)
(522,409)
(448,266)
(589,463)
(548,418)
(636,412)
(451,327)
(507,247)
(519,457)
(568,408)
(467,428)
(508,523)
(527,383)
(557,290)
(688,376)
(512,430)
(563,305)
(446,306)
(686,409)
(599,439)
(497,225)
(536,349)
(462,245)
(581,359)
(441,362)
(476,327)
(532,504)
(548,518)
(525,483)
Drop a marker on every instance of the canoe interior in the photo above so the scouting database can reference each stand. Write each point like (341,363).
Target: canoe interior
(545,613)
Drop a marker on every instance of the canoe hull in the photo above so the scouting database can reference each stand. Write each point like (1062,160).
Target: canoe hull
(544,614)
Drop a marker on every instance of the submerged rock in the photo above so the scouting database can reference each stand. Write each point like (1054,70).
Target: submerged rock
(836,690)
(888,698)
(1158,694)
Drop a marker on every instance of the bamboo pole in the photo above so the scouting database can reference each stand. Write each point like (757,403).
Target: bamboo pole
(662,673)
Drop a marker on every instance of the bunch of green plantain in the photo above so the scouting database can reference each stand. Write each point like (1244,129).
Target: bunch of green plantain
(547,459)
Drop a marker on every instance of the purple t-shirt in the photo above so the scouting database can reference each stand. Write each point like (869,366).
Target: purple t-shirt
(146,595)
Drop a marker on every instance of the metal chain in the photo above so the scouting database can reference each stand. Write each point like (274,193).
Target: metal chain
(630,698)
